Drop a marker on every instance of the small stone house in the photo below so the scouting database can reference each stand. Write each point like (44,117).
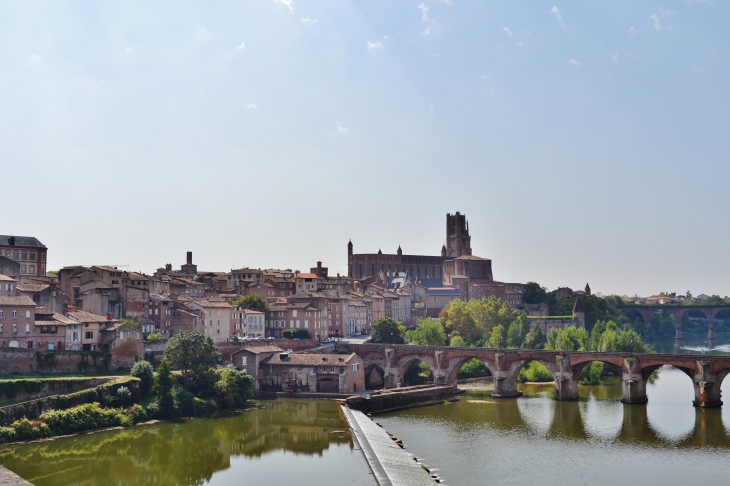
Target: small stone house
(313,373)
(249,358)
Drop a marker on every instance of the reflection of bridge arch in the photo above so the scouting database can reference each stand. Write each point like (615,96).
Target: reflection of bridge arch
(707,373)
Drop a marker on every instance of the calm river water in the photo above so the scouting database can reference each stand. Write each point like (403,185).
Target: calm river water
(597,440)
(286,442)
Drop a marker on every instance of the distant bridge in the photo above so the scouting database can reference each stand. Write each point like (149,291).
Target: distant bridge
(677,311)
(393,361)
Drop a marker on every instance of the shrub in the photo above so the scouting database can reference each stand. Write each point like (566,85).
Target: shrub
(155,337)
(143,371)
(295,334)
(26,429)
(233,388)
(473,367)
(535,372)
(7,434)
(162,387)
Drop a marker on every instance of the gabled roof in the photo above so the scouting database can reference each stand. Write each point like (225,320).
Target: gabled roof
(25,287)
(306,275)
(260,349)
(21,300)
(5,278)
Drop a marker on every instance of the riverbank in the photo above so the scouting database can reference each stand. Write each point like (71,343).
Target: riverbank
(390,463)
(9,478)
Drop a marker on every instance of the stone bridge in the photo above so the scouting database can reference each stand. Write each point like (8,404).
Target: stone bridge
(706,372)
(677,311)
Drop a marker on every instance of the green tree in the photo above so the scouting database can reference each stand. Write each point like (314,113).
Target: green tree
(457,319)
(162,387)
(386,330)
(253,302)
(498,339)
(517,331)
(535,338)
(532,293)
(490,312)
(429,332)
(457,341)
(233,388)
(194,354)
(568,339)
(143,370)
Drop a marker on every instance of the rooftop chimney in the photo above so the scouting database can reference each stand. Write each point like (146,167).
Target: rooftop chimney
(109,317)
(190,258)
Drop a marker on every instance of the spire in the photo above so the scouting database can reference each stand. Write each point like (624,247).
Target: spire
(380,252)
(588,290)
(577,307)
(400,252)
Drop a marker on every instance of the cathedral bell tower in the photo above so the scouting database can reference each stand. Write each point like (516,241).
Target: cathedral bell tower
(458,240)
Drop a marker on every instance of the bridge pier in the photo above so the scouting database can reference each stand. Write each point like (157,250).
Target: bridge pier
(505,386)
(634,389)
(707,386)
(711,332)
(566,388)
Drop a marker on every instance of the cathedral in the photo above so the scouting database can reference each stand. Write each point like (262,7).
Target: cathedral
(455,261)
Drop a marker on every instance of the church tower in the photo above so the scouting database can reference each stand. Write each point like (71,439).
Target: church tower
(458,241)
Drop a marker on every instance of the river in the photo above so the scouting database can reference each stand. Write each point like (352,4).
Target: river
(596,440)
(297,442)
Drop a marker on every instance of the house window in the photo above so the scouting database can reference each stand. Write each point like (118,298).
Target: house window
(15,314)
(32,255)
(27,314)
(243,360)
(27,327)
(355,366)
(23,269)
(15,327)
(25,255)
(2,314)
(89,335)
(1,328)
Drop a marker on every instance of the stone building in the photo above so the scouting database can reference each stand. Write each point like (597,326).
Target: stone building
(27,251)
(250,358)
(458,243)
(217,317)
(8,286)
(9,268)
(315,373)
(17,322)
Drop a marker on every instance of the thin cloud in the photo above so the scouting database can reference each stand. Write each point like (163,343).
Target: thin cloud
(613,57)
(447,2)
(242,46)
(287,3)
(33,58)
(431,107)
(307,20)
(202,34)
(128,49)
(251,106)
(424,12)
(509,32)
(573,62)
(556,11)
(657,23)
(341,129)
(633,30)
(426,32)
(374,45)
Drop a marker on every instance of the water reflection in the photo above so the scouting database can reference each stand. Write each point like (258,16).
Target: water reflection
(194,451)
(596,440)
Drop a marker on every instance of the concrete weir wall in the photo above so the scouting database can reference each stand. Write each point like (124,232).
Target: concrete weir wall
(391,465)
(399,398)
(9,478)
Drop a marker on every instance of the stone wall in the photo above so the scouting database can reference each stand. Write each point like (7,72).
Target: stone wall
(23,360)
(399,398)
(34,408)
(48,387)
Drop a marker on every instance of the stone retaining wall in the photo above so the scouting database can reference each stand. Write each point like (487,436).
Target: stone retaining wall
(51,386)
(399,398)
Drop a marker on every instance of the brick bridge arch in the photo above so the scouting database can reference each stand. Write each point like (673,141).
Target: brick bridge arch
(677,311)
(706,372)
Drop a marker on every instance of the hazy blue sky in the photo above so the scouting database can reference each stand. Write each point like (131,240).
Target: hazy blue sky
(585,140)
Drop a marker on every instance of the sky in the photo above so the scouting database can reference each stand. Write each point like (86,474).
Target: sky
(586,141)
